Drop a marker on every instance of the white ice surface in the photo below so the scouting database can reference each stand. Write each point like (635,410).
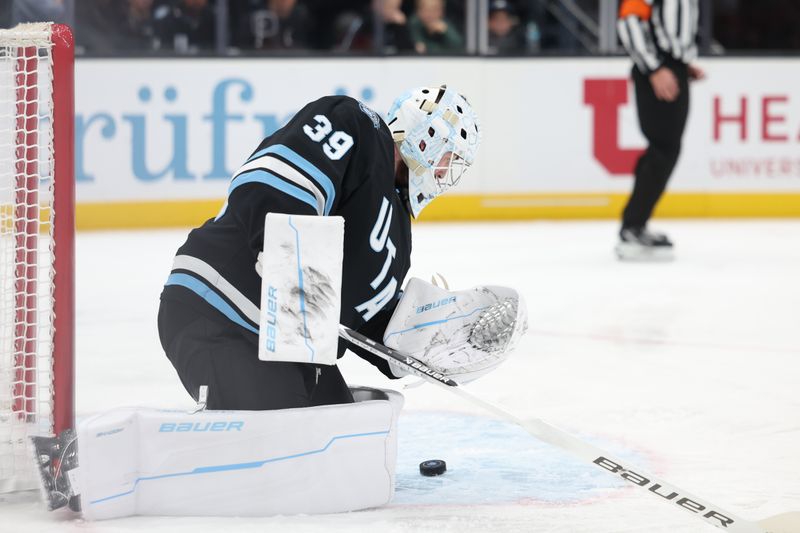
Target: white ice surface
(690,368)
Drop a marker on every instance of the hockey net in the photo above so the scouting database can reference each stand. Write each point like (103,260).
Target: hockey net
(36,243)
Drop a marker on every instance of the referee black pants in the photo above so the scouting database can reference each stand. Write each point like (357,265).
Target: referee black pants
(224,357)
(662,124)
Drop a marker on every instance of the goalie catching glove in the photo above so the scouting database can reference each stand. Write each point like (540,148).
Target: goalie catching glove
(462,334)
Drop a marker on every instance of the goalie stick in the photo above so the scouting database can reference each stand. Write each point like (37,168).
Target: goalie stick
(676,497)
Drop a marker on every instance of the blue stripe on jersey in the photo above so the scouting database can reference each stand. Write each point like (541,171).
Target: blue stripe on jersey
(267,178)
(214,299)
(306,166)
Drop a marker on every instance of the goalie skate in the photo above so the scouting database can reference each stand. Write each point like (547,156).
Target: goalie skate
(56,457)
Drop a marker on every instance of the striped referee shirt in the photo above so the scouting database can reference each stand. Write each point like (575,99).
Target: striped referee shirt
(653,30)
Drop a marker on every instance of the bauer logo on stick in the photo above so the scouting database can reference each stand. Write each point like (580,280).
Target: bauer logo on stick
(659,490)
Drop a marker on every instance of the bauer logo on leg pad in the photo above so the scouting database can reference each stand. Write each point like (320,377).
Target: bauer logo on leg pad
(200,427)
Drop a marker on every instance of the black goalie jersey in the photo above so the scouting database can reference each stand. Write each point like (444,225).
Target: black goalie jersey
(335,157)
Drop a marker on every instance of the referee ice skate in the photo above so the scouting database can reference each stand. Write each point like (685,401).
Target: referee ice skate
(660,36)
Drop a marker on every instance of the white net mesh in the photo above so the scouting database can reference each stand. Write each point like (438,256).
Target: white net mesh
(26,257)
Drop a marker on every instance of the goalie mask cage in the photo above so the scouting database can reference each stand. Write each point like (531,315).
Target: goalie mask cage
(37,229)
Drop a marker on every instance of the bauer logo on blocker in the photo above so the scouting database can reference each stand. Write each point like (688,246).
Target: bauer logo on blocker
(272,317)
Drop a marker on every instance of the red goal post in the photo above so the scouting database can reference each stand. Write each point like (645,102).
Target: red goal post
(37,228)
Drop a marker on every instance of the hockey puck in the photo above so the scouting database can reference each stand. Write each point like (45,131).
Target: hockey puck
(433,467)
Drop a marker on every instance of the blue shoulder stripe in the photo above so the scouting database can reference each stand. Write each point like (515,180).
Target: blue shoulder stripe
(306,166)
(267,178)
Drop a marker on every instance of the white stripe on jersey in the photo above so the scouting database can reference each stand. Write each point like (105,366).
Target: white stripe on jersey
(658,26)
(687,33)
(208,273)
(690,54)
(625,37)
(287,172)
(670,17)
(641,42)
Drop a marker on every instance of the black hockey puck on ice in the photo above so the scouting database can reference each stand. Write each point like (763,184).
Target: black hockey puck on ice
(433,467)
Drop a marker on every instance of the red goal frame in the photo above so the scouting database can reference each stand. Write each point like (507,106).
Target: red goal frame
(27,229)
(64,229)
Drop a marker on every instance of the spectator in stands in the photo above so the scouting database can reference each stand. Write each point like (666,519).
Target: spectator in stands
(187,26)
(41,11)
(5,15)
(396,36)
(137,30)
(97,21)
(431,32)
(505,33)
(274,25)
(110,26)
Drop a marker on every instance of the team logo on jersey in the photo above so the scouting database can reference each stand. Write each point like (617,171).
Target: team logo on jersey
(373,116)
(380,242)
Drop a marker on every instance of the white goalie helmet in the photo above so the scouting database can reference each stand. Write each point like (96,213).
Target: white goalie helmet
(437,134)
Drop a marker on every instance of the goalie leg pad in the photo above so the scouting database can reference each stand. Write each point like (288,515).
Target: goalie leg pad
(462,334)
(326,459)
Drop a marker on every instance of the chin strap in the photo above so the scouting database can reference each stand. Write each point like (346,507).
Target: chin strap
(404,198)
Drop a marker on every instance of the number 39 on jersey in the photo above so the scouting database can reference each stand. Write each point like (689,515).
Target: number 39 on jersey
(336,144)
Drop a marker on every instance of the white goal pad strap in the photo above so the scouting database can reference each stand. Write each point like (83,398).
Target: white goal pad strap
(326,459)
(462,334)
(301,283)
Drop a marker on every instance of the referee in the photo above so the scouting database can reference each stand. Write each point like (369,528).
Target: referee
(660,36)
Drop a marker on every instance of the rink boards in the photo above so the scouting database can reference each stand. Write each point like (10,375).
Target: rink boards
(157,140)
